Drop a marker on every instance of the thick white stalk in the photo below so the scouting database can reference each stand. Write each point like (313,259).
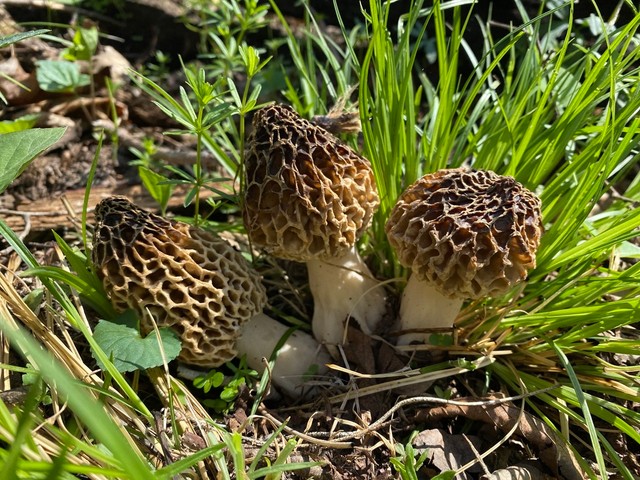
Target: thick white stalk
(422,307)
(298,355)
(343,287)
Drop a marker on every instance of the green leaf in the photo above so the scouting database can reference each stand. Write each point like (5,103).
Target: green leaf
(448,475)
(33,299)
(17,149)
(60,76)
(156,184)
(85,43)
(23,123)
(180,466)
(213,379)
(130,351)
(17,37)
(90,292)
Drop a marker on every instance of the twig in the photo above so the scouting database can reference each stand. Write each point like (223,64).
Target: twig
(380,422)
(411,380)
(26,217)
(303,436)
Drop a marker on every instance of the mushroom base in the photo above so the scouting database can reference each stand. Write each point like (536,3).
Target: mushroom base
(296,358)
(424,310)
(343,287)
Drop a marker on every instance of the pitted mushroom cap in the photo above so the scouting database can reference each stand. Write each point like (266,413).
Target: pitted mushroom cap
(307,194)
(470,233)
(181,276)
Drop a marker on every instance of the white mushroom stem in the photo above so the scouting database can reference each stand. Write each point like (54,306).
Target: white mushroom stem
(299,356)
(424,309)
(343,287)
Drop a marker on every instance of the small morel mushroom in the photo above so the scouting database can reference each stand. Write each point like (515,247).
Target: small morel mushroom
(187,279)
(464,234)
(308,198)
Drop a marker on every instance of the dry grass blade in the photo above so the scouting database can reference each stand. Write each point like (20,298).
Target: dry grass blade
(14,310)
(412,377)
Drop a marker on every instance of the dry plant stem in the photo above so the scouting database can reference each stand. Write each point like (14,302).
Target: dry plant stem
(343,287)
(304,436)
(424,308)
(258,339)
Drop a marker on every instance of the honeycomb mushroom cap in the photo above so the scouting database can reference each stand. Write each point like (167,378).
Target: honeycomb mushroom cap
(470,233)
(307,194)
(177,275)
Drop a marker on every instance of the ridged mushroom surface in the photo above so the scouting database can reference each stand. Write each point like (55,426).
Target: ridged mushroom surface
(180,276)
(307,194)
(470,233)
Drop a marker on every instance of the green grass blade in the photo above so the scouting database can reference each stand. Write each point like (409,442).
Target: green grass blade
(85,406)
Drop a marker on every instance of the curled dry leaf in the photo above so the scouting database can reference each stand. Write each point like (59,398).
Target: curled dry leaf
(551,449)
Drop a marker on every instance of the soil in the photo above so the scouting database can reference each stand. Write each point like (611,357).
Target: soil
(351,439)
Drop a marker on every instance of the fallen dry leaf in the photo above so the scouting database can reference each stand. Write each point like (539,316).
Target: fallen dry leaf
(551,449)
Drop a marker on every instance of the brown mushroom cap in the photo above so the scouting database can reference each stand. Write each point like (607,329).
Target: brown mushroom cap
(307,194)
(470,233)
(178,275)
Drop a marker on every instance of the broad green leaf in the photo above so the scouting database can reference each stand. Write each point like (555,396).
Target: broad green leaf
(60,76)
(130,351)
(17,149)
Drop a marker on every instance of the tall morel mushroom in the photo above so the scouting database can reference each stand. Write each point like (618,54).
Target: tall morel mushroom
(308,198)
(464,234)
(187,279)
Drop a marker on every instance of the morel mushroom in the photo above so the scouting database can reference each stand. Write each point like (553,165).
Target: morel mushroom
(308,198)
(464,234)
(187,279)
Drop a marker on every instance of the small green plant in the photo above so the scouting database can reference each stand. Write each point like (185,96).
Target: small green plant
(158,185)
(235,455)
(198,114)
(223,32)
(60,76)
(407,463)
(226,396)
(207,111)
(83,45)
(64,76)
(158,69)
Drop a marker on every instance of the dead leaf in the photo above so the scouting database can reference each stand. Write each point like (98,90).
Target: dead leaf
(551,449)
(448,451)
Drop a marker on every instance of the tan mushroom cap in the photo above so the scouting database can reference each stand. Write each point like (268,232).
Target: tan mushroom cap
(470,233)
(180,276)
(307,194)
